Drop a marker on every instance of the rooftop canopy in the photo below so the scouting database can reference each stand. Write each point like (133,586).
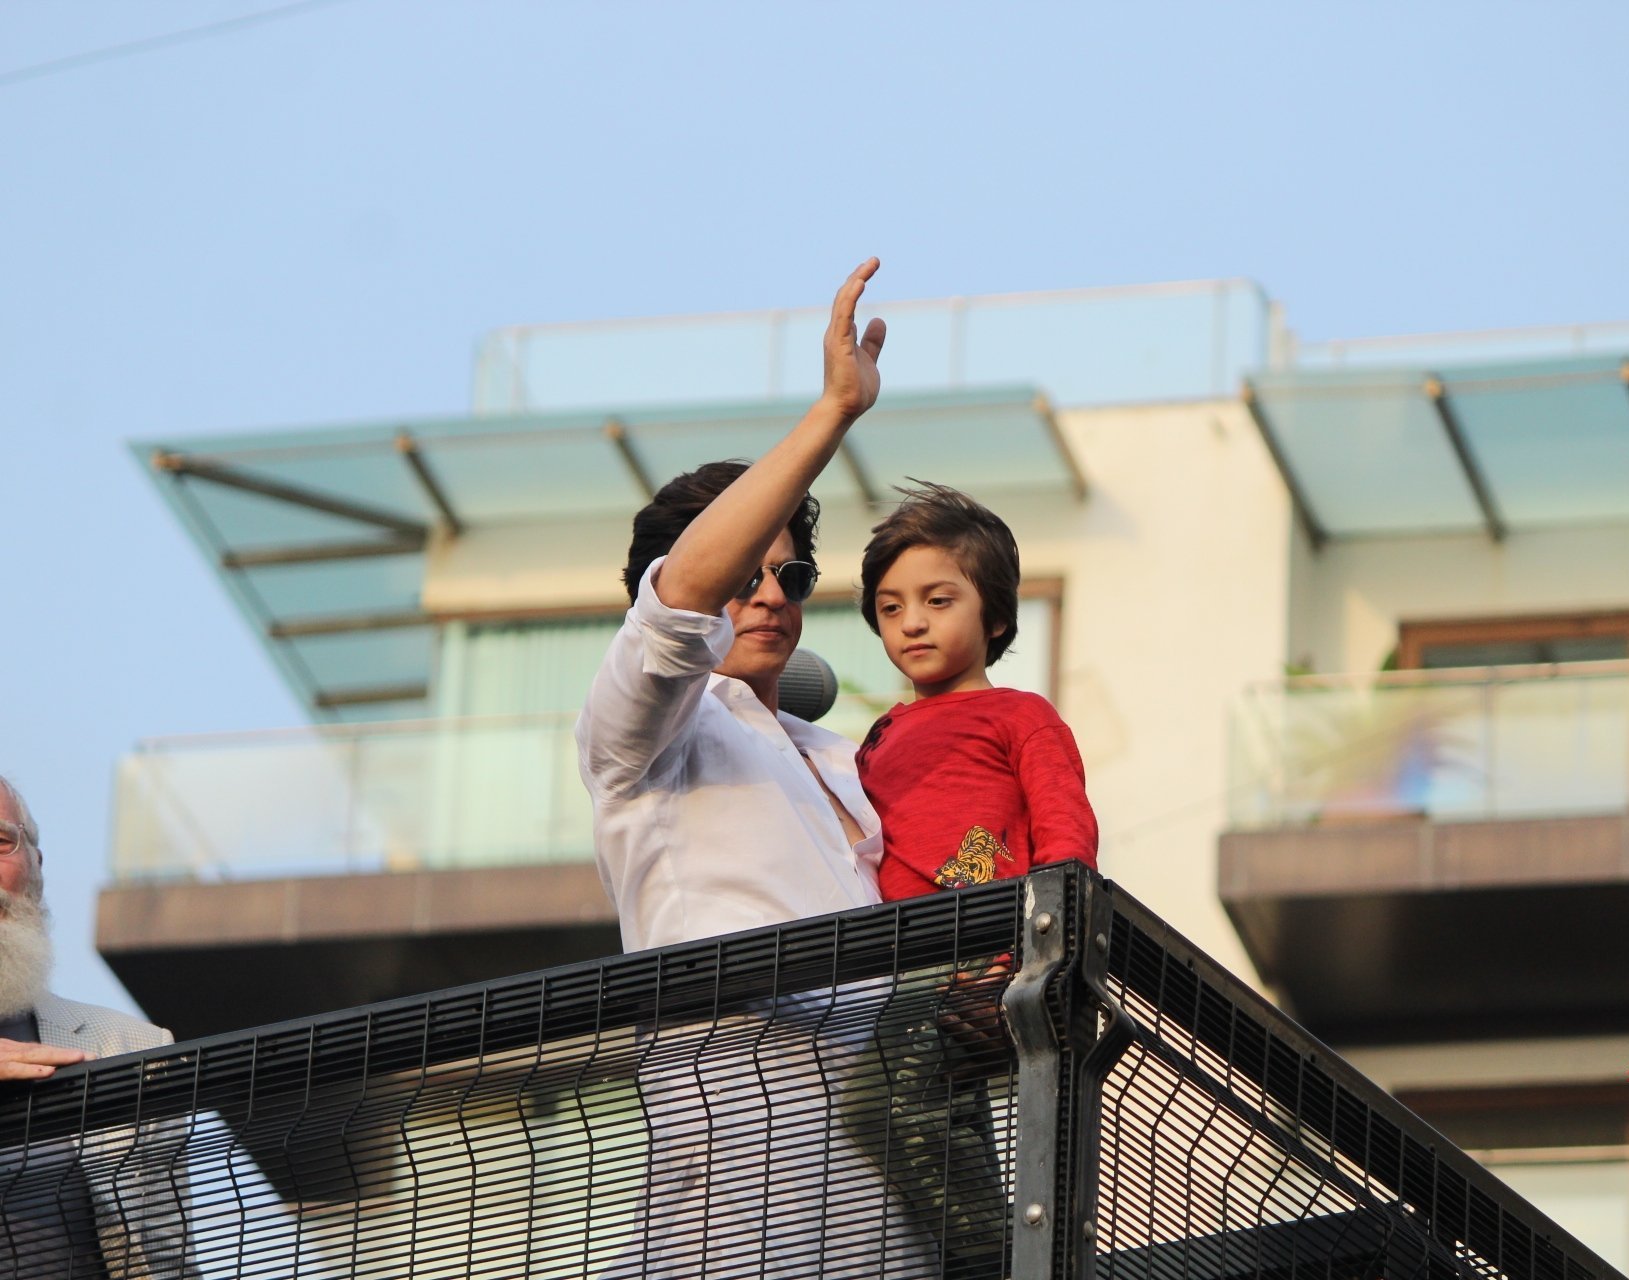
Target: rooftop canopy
(1491,448)
(321,535)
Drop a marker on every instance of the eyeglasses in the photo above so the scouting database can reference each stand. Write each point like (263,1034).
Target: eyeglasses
(12,838)
(797,579)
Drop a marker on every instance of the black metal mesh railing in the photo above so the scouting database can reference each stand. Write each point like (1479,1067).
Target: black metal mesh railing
(787,1098)
(1232,1144)
(1033,1078)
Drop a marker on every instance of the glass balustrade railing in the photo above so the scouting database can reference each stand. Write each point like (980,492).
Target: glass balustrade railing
(398,796)
(1449,745)
(415,795)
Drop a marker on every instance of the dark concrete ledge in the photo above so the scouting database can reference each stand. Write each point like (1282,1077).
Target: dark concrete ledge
(1407,929)
(203,958)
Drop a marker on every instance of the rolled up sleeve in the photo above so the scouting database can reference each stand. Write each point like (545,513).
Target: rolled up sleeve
(645,693)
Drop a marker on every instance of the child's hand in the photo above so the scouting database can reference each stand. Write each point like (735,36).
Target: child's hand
(970,1006)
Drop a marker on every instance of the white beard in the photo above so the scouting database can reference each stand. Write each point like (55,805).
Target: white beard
(25,953)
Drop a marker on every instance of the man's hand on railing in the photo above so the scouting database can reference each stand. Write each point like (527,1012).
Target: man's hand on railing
(25,1060)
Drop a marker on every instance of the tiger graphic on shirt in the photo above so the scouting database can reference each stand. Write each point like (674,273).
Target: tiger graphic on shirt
(975,861)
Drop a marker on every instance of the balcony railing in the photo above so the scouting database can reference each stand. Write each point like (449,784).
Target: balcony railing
(409,795)
(1448,745)
(394,796)
(1032,1079)
(1189,339)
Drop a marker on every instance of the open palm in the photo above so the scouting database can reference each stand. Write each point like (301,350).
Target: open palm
(852,379)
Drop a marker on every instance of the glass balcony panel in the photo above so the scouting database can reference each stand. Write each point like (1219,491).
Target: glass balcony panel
(1432,350)
(1507,745)
(491,477)
(373,474)
(399,656)
(383,583)
(1550,437)
(255,520)
(1114,347)
(996,446)
(1369,451)
(418,796)
(671,448)
(1086,346)
(1559,750)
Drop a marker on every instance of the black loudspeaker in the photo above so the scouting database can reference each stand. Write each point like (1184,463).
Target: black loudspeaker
(808,686)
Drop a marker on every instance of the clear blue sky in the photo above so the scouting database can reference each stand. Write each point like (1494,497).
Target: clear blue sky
(313,219)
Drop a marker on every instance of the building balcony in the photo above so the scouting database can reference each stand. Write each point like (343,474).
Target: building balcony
(292,871)
(1431,856)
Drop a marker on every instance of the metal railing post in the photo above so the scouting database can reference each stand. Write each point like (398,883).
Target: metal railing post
(1113,1031)
(1040,1211)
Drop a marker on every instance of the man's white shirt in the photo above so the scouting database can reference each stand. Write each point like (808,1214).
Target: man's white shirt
(706,819)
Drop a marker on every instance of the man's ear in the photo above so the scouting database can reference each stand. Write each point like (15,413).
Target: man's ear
(1000,630)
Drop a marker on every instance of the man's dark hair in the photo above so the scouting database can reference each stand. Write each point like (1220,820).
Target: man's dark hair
(978,540)
(658,526)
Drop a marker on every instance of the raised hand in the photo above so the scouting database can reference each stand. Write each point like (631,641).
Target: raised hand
(852,380)
(724,545)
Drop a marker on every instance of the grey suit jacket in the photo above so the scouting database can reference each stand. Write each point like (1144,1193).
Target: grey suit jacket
(68,1024)
(141,1206)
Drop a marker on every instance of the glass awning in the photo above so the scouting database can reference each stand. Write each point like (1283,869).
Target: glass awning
(320,535)
(1469,447)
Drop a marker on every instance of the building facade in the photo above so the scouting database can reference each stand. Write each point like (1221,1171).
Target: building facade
(1343,633)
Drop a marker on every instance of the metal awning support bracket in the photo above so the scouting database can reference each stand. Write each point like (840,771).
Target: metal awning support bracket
(1317,535)
(1071,468)
(616,431)
(408,447)
(857,472)
(180,465)
(320,552)
(1483,492)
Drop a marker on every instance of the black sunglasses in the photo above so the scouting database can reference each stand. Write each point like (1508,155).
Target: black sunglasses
(797,579)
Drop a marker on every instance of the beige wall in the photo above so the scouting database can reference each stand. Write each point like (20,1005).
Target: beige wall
(1176,571)
(1348,599)
(528,566)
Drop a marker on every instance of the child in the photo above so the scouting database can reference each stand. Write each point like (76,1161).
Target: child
(972,783)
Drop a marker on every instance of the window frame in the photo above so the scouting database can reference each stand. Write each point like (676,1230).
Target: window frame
(1414,637)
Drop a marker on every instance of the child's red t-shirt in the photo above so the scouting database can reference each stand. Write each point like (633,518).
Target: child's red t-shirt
(973,787)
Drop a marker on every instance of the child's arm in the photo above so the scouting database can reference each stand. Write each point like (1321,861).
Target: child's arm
(1061,822)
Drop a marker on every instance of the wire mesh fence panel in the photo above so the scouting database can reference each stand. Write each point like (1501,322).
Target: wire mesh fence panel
(1232,1144)
(1035,1078)
(828,1098)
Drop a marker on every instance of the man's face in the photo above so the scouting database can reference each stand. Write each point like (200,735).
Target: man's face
(767,628)
(25,941)
(16,856)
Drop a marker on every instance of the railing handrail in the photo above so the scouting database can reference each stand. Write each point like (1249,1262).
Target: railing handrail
(1334,350)
(1512,673)
(955,302)
(372,729)
(345,732)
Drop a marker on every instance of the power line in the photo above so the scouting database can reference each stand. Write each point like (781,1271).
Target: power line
(134,48)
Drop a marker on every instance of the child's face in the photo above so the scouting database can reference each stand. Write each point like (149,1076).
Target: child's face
(932,622)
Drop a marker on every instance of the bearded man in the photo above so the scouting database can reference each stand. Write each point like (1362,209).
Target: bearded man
(40,1032)
(60,1213)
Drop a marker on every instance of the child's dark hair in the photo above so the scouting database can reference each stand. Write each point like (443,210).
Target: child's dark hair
(935,515)
(658,526)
